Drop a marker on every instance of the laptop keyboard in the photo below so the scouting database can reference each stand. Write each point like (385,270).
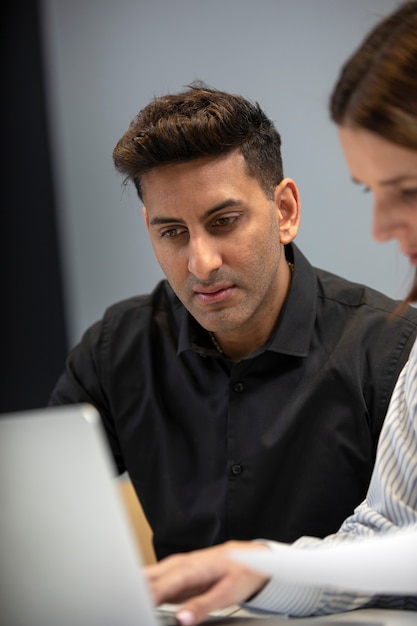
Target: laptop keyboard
(165,619)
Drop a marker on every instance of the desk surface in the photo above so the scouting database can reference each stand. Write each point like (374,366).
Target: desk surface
(360,617)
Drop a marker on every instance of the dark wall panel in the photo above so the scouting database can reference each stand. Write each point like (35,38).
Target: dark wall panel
(33,336)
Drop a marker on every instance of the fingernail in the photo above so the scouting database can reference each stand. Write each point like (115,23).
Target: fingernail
(185,617)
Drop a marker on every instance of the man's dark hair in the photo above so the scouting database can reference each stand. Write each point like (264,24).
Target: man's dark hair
(195,123)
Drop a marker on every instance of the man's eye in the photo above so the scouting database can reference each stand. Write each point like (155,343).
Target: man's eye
(226,221)
(171,233)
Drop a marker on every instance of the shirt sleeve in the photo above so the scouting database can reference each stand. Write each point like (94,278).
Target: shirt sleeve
(390,504)
(82,381)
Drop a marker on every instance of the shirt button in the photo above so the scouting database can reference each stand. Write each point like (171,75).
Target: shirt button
(236,469)
(239,387)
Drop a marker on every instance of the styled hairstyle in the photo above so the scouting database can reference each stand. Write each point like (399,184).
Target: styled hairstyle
(377,86)
(195,123)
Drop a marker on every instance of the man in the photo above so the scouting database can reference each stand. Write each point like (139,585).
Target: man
(245,395)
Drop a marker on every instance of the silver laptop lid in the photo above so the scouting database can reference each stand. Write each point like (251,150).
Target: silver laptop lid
(67,555)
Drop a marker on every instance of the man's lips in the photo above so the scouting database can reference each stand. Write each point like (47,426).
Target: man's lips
(213,294)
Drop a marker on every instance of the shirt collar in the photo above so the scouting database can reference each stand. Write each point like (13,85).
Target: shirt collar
(293,332)
(296,321)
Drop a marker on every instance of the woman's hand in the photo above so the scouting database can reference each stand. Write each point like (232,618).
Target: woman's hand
(204,580)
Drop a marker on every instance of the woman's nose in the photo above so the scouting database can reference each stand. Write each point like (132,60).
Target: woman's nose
(385,222)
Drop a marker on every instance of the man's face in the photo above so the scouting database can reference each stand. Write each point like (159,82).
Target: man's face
(216,237)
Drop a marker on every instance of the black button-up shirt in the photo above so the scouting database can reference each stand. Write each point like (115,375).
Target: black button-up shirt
(277,445)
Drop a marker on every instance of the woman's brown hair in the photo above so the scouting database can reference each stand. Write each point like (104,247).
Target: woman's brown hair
(377,86)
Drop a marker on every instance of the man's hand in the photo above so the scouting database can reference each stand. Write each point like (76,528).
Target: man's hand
(204,580)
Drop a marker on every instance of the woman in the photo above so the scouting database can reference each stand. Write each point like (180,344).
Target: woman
(374,104)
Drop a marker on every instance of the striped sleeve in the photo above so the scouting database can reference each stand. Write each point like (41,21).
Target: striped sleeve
(390,504)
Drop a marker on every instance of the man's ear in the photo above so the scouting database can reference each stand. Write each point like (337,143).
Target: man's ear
(287,200)
(145,216)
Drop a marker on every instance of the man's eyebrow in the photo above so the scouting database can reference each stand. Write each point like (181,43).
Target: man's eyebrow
(156,221)
(229,202)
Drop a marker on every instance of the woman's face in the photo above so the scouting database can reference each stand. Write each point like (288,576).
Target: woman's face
(390,173)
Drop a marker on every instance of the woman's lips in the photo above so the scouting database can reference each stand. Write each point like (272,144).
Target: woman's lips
(412,258)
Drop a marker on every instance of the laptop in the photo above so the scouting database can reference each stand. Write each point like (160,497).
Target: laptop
(68,556)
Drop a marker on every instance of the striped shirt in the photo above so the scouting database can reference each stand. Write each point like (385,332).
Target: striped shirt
(390,504)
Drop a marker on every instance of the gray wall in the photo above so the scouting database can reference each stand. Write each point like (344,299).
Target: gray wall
(107,58)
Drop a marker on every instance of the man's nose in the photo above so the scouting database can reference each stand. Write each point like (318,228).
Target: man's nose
(204,256)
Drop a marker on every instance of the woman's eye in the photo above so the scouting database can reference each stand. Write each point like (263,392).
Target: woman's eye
(409,193)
